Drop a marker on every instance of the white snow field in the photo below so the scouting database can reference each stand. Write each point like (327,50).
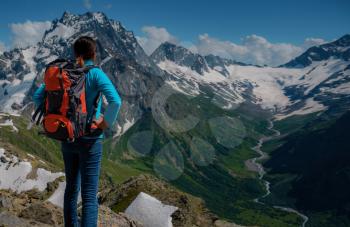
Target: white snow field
(14,172)
(268,83)
(16,89)
(150,211)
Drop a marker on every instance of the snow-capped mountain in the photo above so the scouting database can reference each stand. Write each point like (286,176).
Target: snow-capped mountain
(297,87)
(339,49)
(119,55)
(184,57)
(17,72)
(181,56)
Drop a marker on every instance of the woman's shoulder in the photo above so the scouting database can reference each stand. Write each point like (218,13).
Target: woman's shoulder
(97,74)
(96,71)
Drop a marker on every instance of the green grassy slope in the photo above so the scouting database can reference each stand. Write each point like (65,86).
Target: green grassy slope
(225,185)
(309,170)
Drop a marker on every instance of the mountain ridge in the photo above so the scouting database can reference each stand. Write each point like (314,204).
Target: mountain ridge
(322,52)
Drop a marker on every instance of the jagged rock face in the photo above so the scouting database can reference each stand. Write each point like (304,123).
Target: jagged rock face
(196,62)
(118,54)
(16,76)
(181,56)
(113,40)
(219,64)
(337,49)
(13,66)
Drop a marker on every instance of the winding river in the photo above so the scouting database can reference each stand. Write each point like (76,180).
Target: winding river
(254,165)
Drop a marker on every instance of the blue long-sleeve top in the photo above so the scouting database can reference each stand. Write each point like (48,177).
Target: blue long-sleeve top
(95,81)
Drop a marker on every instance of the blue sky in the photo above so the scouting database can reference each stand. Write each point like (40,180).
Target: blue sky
(287,22)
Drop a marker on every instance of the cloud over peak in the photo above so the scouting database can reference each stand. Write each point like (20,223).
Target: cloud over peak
(253,49)
(2,47)
(154,36)
(28,33)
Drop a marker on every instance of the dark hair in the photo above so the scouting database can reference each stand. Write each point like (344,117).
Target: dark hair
(85,47)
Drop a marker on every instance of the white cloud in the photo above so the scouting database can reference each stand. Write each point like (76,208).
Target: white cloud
(309,42)
(87,4)
(28,33)
(254,49)
(2,47)
(154,36)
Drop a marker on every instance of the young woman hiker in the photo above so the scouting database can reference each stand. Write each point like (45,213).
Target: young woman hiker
(82,158)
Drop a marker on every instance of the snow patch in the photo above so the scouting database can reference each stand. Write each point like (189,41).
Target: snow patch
(13,175)
(14,92)
(319,72)
(150,211)
(128,124)
(61,31)
(57,198)
(341,89)
(311,106)
(9,122)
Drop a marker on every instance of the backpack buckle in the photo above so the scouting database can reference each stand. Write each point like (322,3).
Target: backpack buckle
(70,140)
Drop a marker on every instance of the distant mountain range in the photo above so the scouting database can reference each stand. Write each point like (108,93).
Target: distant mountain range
(317,80)
(311,90)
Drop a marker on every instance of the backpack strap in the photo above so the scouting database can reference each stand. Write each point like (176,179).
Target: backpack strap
(39,112)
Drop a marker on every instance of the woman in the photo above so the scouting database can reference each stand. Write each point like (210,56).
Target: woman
(82,158)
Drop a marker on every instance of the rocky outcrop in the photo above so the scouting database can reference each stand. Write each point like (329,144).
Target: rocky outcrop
(191,210)
(24,211)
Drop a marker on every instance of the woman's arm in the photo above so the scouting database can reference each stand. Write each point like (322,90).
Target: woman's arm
(38,96)
(105,85)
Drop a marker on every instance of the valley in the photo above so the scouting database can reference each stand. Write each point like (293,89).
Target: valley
(255,165)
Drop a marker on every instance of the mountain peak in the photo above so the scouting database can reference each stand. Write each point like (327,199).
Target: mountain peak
(181,56)
(171,47)
(343,41)
(98,16)
(339,49)
(109,34)
(66,16)
(167,43)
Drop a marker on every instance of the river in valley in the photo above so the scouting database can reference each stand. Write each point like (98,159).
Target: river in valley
(254,164)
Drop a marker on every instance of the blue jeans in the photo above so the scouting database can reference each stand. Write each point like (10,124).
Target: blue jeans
(82,161)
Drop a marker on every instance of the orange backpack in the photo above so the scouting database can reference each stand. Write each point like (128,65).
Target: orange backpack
(64,110)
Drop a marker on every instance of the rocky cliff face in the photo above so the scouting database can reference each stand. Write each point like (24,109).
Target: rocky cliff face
(181,56)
